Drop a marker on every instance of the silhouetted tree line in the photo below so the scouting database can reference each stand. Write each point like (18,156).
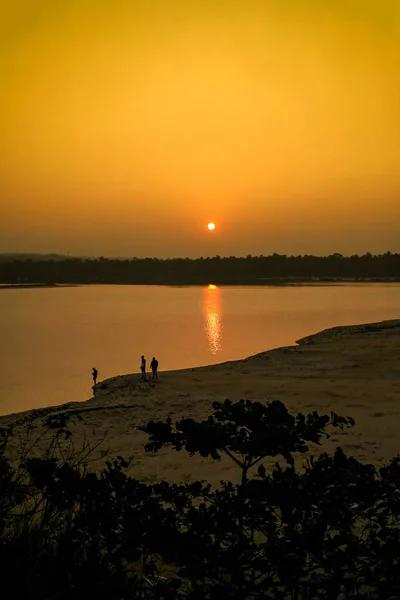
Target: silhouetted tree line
(216,269)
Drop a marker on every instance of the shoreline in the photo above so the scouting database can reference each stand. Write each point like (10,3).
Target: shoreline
(27,286)
(281,282)
(352,370)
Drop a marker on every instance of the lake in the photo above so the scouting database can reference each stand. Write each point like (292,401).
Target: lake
(52,337)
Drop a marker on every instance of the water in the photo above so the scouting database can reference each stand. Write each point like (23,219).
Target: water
(51,338)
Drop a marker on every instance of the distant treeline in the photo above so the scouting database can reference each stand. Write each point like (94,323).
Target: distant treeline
(217,270)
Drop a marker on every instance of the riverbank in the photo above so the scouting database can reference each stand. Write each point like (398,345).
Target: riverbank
(232,282)
(27,286)
(351,370)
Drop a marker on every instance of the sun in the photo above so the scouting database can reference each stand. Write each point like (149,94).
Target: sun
(211,226)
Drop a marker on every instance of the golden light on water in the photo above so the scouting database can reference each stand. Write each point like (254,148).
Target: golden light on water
(212,313)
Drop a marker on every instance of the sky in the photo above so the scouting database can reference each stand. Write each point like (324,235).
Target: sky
(127,126)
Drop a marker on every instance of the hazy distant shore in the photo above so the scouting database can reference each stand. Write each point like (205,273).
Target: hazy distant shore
(24,286)
(289,281)
(352,370)
(274,269)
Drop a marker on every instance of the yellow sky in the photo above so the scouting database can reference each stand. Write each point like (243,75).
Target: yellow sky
(126,126)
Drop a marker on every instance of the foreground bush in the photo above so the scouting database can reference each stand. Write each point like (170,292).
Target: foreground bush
(327,531)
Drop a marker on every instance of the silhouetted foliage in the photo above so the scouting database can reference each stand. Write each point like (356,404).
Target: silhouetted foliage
(246,431)
(329,530)
(219,270)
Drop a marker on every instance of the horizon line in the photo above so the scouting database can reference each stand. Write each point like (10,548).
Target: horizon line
(249,255)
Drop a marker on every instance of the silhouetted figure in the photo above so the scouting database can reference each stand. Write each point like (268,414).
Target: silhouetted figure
(143,368)
(154,367)
(94,375)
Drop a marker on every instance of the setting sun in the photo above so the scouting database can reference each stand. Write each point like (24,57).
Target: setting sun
(211,226)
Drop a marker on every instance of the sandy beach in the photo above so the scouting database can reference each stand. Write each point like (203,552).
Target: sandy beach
(354,371)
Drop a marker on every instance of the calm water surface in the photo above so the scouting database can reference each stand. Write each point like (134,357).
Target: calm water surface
(51,338)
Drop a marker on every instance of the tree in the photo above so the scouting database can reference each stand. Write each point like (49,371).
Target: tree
(245,431)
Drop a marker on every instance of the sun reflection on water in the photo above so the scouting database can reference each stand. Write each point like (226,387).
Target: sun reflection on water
(213,317)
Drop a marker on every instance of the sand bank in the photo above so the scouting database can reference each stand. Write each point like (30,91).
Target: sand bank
(352,370)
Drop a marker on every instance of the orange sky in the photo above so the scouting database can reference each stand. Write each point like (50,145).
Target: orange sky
(127,126)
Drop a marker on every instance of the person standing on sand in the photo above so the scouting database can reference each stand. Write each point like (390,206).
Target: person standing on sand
(94,375)
(143,368)
(154,367)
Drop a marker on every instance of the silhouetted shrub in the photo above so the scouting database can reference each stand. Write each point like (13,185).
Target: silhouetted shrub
(329,530)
